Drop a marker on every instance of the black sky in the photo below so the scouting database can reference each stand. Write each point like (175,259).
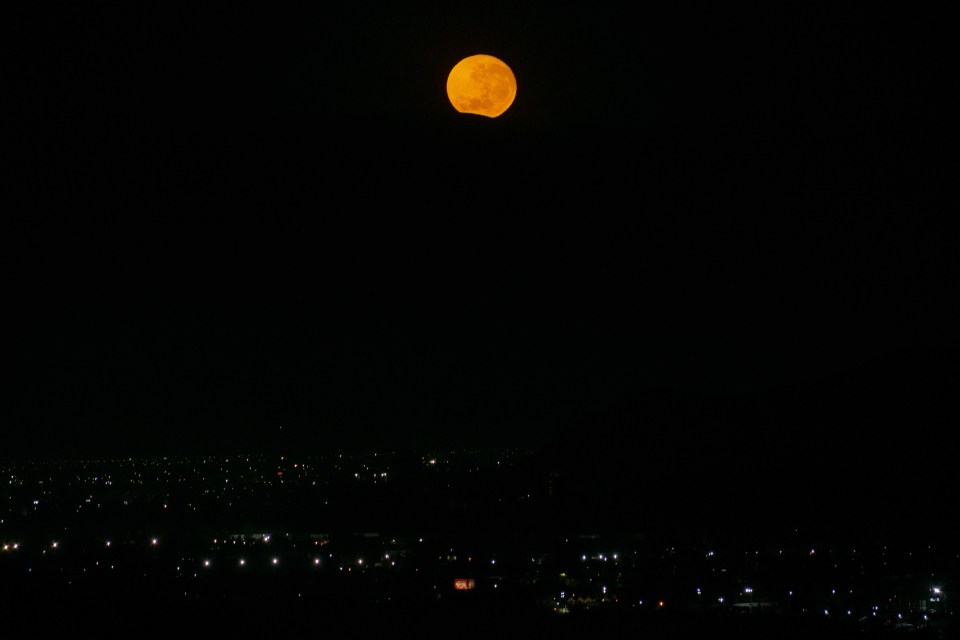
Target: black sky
(228,221)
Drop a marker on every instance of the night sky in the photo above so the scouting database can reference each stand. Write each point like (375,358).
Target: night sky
(691,221)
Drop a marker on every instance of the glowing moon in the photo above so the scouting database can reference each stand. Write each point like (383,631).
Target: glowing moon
(482,85)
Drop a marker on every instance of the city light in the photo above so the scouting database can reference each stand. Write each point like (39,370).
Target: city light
(598,580)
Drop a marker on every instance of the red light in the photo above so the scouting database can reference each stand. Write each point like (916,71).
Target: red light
(463,584)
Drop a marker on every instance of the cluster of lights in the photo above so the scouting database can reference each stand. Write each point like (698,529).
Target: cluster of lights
(274,561)
(600,556)
(935,591)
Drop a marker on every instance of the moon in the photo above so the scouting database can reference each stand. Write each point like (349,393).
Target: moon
(482,85)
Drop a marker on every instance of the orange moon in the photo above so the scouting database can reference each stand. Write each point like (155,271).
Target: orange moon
(482,85)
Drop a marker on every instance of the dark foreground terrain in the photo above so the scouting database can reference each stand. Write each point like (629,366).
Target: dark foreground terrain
(457,543)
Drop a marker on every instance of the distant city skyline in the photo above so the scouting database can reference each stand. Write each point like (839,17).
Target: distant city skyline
(402,535)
